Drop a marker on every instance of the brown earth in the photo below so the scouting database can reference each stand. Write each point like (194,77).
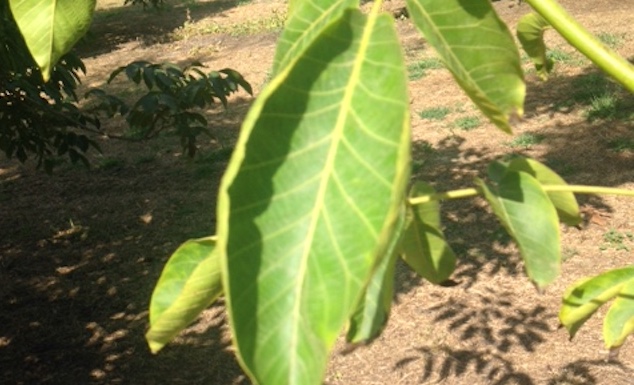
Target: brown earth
(81,250)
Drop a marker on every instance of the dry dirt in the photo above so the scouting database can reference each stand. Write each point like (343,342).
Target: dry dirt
(81,250)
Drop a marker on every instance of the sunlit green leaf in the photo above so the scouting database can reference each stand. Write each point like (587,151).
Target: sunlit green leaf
(529,216)
(583,298)
(304,24)
(619,322)
(478,49)
(311,195)
(530,33)
(373,311)
(424,247)
(189,283)
(565,202)
(51,27)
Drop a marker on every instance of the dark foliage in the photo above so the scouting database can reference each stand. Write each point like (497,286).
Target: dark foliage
(36,118)
(174,100)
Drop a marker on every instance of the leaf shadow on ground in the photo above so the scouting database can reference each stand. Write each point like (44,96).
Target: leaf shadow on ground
(448,364)
(80,253)
(115,26)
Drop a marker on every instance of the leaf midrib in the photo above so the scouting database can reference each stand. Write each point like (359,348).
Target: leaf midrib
(337,135)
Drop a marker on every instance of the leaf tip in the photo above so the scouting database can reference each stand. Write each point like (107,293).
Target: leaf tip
(154,346)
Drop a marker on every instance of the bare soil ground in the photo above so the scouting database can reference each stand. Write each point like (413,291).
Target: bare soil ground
(81,250)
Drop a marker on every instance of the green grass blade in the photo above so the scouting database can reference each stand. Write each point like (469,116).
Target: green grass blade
(424,247)
(529,216)
(311,195)
(51,27)
(619,321)
(583,298)
(304,24)
(478,49)
(189,283)
(530,33)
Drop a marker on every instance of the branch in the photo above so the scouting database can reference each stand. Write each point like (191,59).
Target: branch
(471,192)
(605,58)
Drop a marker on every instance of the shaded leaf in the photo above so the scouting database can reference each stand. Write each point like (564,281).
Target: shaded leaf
(478,49)
(565,202)
(189,283)
(51,27)
(311,195)
(584,297)
(370,317)
(529,216)
(530,33)
(424,247)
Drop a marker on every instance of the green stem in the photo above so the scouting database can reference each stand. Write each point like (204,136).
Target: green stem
(471,192)
(605,58)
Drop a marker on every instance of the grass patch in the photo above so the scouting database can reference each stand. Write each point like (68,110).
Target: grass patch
(526,140)
(435,113)
(419,69)
(610,39)
(467,123)
(274,22)
(560,56)
(621,145)
(604,106)
(587,87)
(616,240)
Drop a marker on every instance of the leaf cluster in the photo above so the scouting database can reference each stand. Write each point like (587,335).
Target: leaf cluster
(39,118)
(174,98)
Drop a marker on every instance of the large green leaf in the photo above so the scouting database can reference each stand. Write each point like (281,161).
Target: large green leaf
(564,201)
(304,24)
(370,317)
(530,33)
(189,283)
(583,298)
(51,27)
(424,247)
(529,216)
(310,197)
(478,49)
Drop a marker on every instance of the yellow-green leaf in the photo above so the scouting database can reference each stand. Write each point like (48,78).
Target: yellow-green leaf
(189,283)
(530,33)
(583,298)
(304,24)
(619,322)
(564,201)
(529,216)
(478,49)
(424,247)
(311,195)
(373,311)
